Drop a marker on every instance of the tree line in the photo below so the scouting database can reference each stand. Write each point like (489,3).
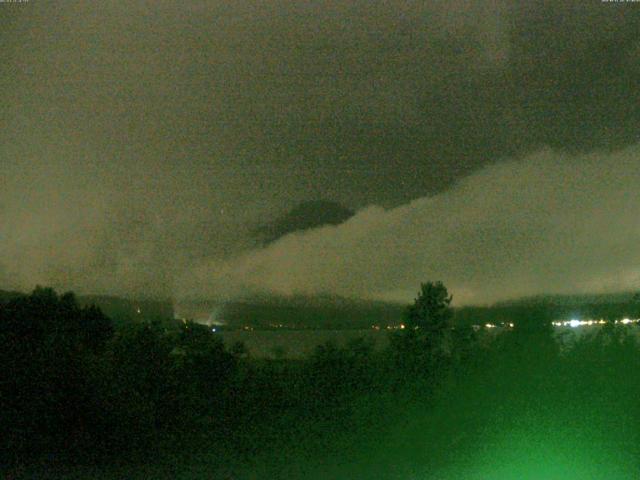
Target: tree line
(74,388)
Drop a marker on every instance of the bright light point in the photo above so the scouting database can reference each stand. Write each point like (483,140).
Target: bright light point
(575,323)
(625,321)
(490,325)
(213,329)
(402,326)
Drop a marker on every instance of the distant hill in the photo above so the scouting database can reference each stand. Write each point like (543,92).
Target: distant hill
(328,312)
(320,312)
(7,296)
(116,308)
(305,216)
(334,312)
(123,309)
(577,299)
(547,308)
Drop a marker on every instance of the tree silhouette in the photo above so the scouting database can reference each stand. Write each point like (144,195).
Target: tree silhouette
(423,346)
(431,311)
(47,343)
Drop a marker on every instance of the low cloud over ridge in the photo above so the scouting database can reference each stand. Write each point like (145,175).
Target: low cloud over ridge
(551,223)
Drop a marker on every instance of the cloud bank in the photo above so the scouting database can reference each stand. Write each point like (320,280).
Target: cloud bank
(553,223)
(142,140)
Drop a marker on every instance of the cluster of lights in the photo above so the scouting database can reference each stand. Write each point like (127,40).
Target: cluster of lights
(580,323)
(402,326)
(503,325)
(396,327)
(564,323)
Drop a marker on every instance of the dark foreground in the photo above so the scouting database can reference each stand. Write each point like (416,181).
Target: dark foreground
(82,399)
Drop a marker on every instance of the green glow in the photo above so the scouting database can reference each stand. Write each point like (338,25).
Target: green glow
(537,454)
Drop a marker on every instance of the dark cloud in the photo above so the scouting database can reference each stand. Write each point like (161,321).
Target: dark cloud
(141,138)
(304,216)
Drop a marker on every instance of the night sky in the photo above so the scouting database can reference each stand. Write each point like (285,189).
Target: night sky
(492,145)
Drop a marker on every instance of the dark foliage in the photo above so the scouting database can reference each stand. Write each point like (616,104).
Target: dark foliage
(431,311)
(46,343)
(75,391)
